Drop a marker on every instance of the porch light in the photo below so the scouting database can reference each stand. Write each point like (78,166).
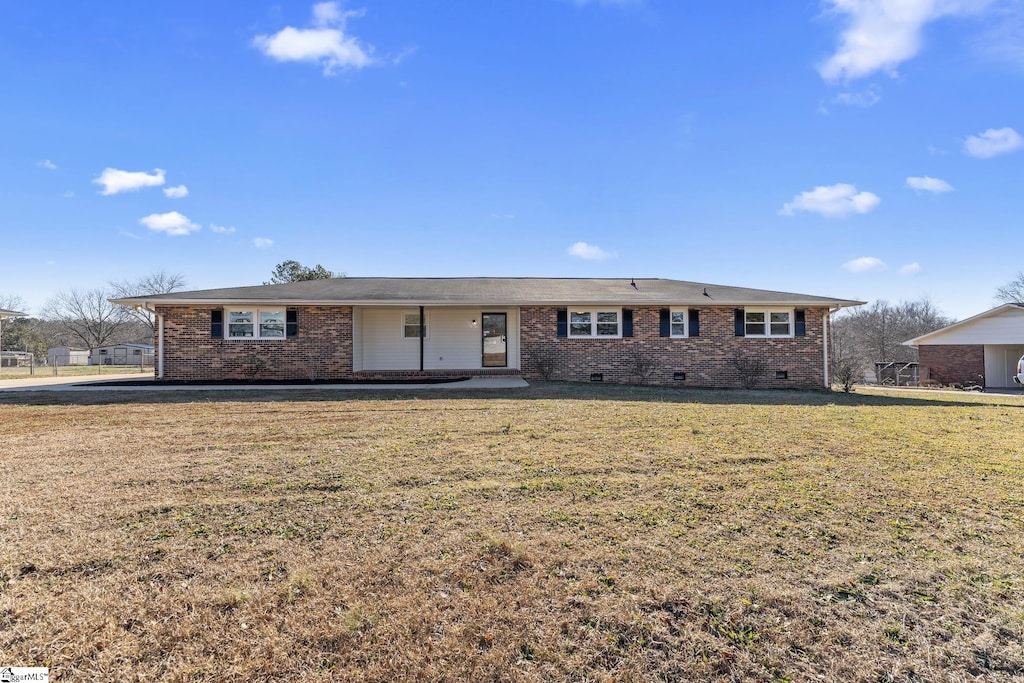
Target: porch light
(473,323)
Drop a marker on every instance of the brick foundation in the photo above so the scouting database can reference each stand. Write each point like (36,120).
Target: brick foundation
(951,364)
(707,360)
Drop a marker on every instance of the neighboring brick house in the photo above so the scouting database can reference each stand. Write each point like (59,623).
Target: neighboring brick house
(987,346)
(613,330)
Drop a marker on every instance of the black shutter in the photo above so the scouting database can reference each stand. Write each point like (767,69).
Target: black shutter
(740,323)
(627,322)
(801,324)
(217,324)
(291,323)
(563,322)
(665,323)
(694,322)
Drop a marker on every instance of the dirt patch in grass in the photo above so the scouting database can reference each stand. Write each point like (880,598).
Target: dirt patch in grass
(559,533)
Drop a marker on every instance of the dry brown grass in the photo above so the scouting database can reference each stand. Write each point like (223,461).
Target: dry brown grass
(28,373)
(561,533)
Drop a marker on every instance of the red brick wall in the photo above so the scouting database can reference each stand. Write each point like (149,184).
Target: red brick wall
(707,360)
(951,364)
(323,346)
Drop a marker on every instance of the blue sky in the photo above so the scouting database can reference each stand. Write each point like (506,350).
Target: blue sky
(847,148)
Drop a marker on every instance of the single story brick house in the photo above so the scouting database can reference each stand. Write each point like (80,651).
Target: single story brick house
(987,346)
(576,329)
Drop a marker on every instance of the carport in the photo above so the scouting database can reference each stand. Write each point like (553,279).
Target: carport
(986,345)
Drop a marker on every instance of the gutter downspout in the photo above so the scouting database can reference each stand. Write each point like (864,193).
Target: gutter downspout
(159,342)
(422,330)
(824,344)
(160,346)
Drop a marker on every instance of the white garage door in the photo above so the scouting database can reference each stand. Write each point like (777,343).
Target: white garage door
(1001,364)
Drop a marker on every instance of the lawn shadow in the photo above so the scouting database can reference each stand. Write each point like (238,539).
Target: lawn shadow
(571,391)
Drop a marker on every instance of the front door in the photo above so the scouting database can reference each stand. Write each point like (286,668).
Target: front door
(495,339)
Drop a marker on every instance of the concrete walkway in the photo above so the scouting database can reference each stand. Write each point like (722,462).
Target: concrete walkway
(88,383)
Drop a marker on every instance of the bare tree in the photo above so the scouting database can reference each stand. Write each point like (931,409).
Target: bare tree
(12,302)
(158,282)
(1013,291)
(869,334)
(87,316)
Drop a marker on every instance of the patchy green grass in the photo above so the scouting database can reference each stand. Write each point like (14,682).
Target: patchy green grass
(563,532)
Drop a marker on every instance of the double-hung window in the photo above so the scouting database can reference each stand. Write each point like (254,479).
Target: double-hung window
(768,323)
(595,323)
(411,326)
(256,323)
(677,322)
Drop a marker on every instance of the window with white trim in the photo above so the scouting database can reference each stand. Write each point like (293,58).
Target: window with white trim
(677,322)
(595,323)
(255,323)
(411,326)
(768,323)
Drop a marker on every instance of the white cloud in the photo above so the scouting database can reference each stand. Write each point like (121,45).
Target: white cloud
(129,234)
(172,223)
(608,3)
(47,164)
(1003,41)
(864,264)
(262,242)
(176,192)
(503,216)
(929,184)
(881,34)
(68,195)
(220,229)
(910,269)
(832,201)
(325,43)
(114,181)
(993,142)
(589,252)
(864,98)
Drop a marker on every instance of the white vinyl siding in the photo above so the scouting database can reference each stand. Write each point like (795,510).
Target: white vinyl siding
(1001,364)
(383,346)
(453,342)
(1006,327)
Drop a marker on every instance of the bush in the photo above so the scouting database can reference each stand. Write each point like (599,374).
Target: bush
(844,373)
(642,364)
(751,369)
(545,360)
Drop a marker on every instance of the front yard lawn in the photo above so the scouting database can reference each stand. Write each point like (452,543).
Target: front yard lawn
(562,532)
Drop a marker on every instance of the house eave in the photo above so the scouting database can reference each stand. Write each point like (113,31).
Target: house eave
(384,303)
(916,341)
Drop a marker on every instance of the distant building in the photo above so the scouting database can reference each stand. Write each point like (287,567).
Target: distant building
(981,349)
(122,354)
(15,359)
(62,355)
